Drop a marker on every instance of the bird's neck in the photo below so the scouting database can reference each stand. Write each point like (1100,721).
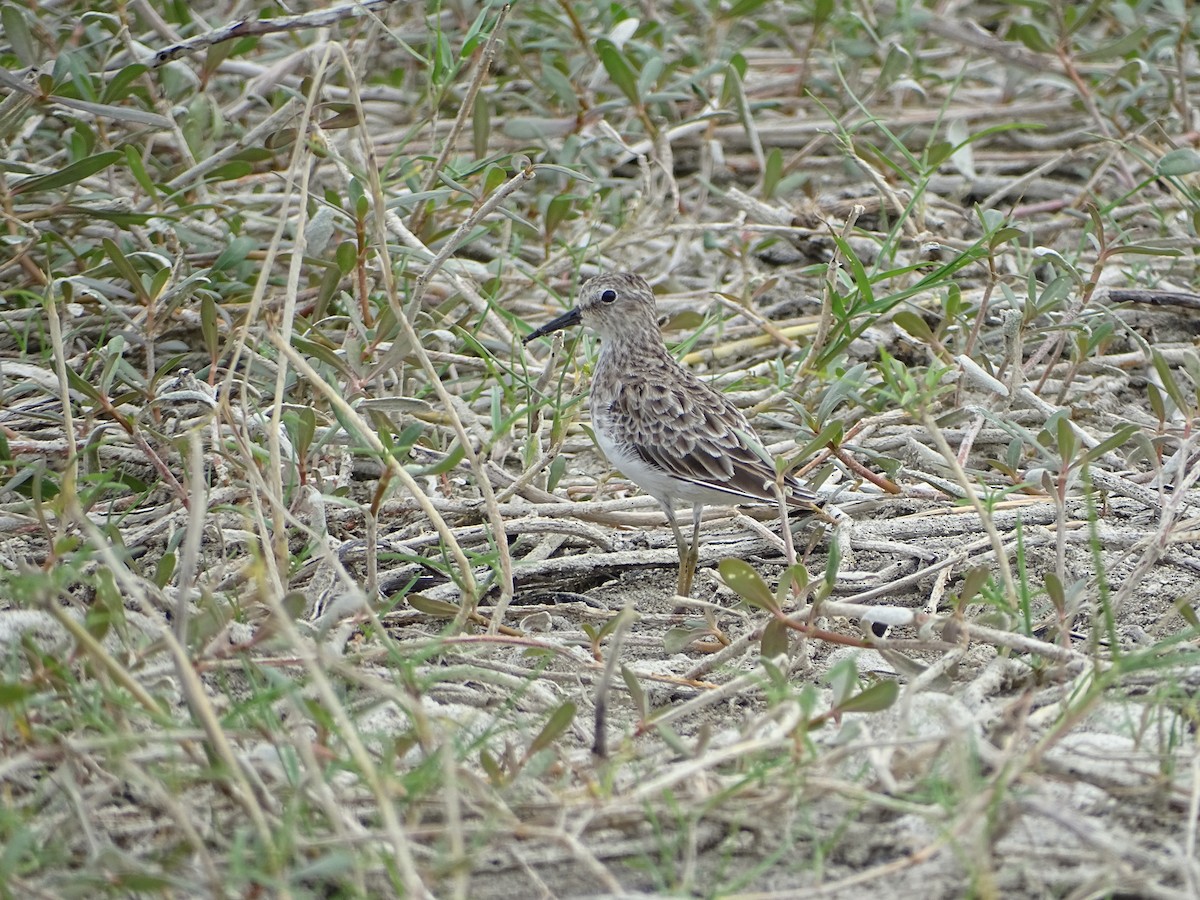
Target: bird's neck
(634,352)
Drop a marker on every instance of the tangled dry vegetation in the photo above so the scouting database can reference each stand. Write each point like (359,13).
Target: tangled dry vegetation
(310,574)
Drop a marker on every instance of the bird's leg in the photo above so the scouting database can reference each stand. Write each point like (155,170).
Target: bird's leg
(683,585)
(689,558)
(693,548)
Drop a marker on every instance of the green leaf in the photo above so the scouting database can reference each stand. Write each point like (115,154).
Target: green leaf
(561,87)
(1122,47)
(1054,294)
(1170,385)
(1155,398)
(1031,37)
(164,569)
(680,637)
(876,698)
(439,609)
(843,678)
(829,435)
(897,63)
(219,52)
(85,168)
(1002,236)
(1067,442)
(635,691)
(31,481)
(127,269)
(208,324)
(914,325)
(141,882)
(742,8)
(674,742)
(319,351)
(748,584)
(134,160)
(793,576)
(306,429)
(490,767)
(973,580)
(158,282)
(619,70)
(76,382)
(109,215)
(108,607)
(475,34)
(627,614)
(13,693)
(481,124)
(1119,437)
(237,251)
(833,563)
(1054,587)
(1145,250)
(554,474)
(346,256)
(861,279)
(97,622)
(560,720)
(557,212)
(493,178)
(108,373)
(443,60)
(231,171)
(772,172)
(648,79)
(324,868)
(117,88)
(20,38)
(448,462)
(775,639)
(293,604)
(938,152)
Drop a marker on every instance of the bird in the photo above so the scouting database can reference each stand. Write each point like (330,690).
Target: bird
(661,426)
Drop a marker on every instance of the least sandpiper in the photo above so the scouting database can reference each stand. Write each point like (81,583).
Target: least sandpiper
(660,425)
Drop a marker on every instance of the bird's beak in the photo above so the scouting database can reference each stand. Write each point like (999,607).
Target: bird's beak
(566,320)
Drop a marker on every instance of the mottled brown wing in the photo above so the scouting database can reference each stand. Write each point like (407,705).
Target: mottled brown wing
(682,426)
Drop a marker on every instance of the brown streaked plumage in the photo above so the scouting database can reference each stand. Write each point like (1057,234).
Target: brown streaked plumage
(660,425)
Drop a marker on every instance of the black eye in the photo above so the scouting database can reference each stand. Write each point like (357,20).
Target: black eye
(608,296)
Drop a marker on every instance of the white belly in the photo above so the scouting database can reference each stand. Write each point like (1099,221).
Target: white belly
(666,489)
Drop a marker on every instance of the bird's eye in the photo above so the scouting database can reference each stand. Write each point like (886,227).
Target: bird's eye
(608,296)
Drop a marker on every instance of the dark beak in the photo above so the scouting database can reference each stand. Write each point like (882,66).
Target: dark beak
(566,320)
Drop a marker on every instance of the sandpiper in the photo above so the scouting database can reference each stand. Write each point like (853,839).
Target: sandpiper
(660,425)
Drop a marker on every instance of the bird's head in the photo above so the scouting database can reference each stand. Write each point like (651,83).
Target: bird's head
(617,307)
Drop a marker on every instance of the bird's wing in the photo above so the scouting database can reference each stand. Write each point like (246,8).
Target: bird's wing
(694,433)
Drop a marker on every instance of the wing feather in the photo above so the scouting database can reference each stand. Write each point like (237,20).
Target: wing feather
(678,424)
